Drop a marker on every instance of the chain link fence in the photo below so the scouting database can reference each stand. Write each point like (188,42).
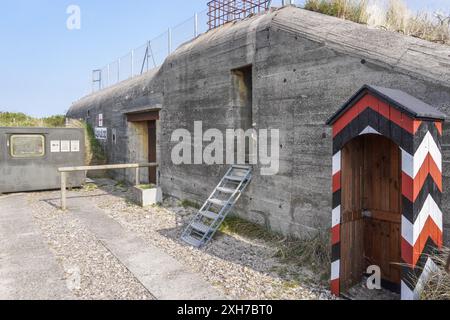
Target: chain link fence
(150,54)
(153,53)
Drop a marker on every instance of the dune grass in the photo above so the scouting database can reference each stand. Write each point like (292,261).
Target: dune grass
(392,15)
(354,10)
(438,285)
(18,119)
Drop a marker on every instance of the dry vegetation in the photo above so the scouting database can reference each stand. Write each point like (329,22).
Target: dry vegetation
(15,119)
(95,154)
(392,15)
(313,252)
(438,286)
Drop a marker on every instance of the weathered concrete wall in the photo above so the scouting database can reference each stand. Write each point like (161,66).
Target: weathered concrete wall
(140,93)
(305,65)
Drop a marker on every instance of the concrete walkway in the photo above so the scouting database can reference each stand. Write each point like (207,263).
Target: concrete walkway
(163,276)
(28,269)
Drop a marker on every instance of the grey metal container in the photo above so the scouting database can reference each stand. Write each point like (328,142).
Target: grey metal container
(30,157)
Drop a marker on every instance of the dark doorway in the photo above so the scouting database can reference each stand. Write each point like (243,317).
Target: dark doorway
(371,210)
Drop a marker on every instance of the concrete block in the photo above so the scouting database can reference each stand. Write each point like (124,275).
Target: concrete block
(147,197)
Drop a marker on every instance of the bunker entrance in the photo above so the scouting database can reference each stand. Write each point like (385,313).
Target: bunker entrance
(371,211)
(143,142)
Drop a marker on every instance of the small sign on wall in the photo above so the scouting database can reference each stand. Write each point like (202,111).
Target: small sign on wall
(101,133)
(65,146)
(100,120)
(75,146)
(55,146)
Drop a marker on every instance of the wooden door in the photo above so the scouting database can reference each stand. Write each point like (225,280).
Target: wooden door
(152,151)
(352,227)
(382,200)
(371,210)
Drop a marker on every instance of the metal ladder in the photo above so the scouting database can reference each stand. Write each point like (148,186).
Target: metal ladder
(214,211)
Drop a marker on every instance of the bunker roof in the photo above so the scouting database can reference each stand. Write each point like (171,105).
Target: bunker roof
(400,100)
(400,53)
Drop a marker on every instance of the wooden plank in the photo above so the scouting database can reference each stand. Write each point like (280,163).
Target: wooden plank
(63,191)
(352,246)
(152,154)
(108,167)
(386,216)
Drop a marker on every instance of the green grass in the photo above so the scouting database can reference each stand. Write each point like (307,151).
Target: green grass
(90,187)
(234,225)
(312,252)
(96,151)
(146,186)
(17,119)
(190,204)
(121,184)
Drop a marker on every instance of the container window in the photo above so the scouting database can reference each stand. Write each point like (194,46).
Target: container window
(27,146)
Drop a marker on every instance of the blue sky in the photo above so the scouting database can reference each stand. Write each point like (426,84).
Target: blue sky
(45,67)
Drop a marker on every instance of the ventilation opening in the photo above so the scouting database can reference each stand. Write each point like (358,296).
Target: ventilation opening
(243,86)
(242,100)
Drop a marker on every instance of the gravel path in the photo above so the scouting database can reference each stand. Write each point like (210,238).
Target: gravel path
(92,272)
(238,267)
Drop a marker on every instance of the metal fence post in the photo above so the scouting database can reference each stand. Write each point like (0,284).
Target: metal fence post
(196,25)
(118,70)
(63,190)
(93,81)
(148,53)
(138,178)
(170,40)
(109,79)
(132,63)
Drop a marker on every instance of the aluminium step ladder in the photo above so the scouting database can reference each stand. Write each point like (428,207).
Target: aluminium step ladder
(214,211)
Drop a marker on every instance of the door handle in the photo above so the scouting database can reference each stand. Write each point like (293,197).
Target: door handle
(367,214)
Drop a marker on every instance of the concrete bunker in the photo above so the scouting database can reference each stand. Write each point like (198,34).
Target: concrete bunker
(387,188)
(300,73)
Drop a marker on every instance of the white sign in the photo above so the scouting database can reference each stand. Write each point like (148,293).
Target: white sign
(100,120)
(65,146)
(55,146)
(75,146)
(101,133)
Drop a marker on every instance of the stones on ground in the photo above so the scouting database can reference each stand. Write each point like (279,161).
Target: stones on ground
(91,271)
(239,268)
